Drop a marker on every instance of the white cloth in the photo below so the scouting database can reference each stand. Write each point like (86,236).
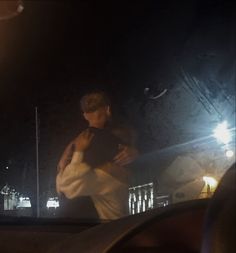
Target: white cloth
(110,195)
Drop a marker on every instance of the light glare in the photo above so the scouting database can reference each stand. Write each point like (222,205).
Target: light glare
(229,153)
(52,202)
(210,181)
(222,133)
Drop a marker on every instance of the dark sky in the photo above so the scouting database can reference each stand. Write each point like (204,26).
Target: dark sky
(55,51)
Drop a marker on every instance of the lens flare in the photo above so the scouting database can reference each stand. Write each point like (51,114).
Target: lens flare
(222,133)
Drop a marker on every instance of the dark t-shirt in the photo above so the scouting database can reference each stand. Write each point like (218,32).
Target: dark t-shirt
(103,147)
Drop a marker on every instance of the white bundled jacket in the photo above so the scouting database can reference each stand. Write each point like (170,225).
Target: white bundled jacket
(107,186)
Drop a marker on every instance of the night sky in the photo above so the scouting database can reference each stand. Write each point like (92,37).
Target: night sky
(55,51)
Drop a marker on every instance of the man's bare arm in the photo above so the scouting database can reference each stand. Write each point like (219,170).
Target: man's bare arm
(79,144)
(66,157)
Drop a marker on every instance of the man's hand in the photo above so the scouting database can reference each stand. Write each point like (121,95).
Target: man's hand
(126,156)
(83,141)
(79,144)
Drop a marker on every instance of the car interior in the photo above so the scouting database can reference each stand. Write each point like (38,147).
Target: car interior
(191,227)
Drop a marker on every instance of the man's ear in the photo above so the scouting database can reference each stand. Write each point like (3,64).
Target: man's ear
(109,110)
(85,115)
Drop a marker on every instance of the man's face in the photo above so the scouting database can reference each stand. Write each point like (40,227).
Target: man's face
(99,117)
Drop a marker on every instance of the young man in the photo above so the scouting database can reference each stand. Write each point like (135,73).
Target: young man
(92,164)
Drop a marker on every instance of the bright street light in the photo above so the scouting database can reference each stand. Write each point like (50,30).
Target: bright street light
(222,133)
(211,181)
(229,153)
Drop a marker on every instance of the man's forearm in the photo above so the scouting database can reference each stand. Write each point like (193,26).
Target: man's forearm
(66,157)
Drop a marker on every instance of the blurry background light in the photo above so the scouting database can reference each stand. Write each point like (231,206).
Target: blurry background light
(229,153)
(10,8)
(53,202)
(212,182)
(222,133)
(23,202)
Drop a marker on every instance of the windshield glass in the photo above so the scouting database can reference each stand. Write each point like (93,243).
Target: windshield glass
(114,108)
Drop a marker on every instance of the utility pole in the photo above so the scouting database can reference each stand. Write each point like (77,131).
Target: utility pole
(37,160)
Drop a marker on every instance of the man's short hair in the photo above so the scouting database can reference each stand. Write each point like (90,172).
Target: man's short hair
(93,101)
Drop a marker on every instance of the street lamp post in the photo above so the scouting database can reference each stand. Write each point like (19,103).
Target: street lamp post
(37,160)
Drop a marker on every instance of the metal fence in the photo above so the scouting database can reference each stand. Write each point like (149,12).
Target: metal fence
(145,197)
(141,198)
